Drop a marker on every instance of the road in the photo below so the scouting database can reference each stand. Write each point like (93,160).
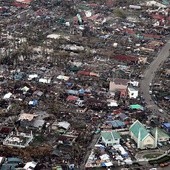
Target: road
(92,144)
(149,74)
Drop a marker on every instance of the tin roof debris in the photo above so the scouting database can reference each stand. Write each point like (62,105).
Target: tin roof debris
(71,69)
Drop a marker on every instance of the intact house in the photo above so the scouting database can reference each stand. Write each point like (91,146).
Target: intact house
(132,92)
(110,138)
(162,136)
(141,136)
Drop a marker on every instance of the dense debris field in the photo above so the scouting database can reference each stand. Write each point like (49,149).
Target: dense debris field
(70,66)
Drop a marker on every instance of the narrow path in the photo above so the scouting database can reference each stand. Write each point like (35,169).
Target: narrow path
(89,149)
(149,74)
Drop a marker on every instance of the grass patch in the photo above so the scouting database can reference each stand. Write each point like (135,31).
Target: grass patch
(150,156)
(160,160)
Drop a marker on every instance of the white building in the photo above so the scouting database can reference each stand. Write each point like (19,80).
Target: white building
(141,136)
(132,93)
(110,138)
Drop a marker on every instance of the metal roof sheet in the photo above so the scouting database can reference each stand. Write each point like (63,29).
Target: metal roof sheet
(136,127)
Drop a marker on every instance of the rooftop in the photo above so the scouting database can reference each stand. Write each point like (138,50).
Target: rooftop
(121,81)
(161,133)
(167,125)
(109,135)
(116,123)
(136,106)
(136,127)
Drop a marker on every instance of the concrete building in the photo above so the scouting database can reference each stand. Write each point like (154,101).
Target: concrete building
(110,138)
(19,140)
(141,136)
(162,136)
(118,84)
(132,93)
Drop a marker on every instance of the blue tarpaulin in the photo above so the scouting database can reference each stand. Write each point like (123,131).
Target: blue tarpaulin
(19,75)
(103,164)
(116,123)
(69,84)
(33,102)
(73,92)
(81,91)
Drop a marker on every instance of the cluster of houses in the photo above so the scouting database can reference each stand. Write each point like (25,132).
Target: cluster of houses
(143,137)
(115,145)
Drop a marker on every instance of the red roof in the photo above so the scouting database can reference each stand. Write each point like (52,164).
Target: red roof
(93,5)
(152,36)
(125,58)
(85,73)
(24,1)
(5,130)
(18,4)
(127,122)
(116,112)
(71,98)
(123,92)
(110,3)
(2,9)
(158,17)
(129,31)
(94,17)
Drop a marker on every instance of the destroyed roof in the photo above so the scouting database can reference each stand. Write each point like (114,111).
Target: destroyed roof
(72,92)
(71,98)
(27,116)
(30,165)
(123,116)
(61,77)
(118,111)
(121,81)
(125,58)
(116,123)
(38,123)
(156,16)
(64,125)
(154,3)
(5,130)
(19,4)
(24,1)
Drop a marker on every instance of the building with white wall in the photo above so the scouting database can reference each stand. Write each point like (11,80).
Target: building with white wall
(141,136)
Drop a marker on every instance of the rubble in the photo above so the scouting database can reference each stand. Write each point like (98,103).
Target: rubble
(71,70)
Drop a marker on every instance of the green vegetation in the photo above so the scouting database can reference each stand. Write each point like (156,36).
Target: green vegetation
(150,156)
(39,139)
(120,13)
(160,160)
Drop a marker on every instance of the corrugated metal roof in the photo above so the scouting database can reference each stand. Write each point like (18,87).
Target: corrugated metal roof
(116,123)
(136,106)
(167,125)
(123,116)
(160,133)
(136,127)
(109,135)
